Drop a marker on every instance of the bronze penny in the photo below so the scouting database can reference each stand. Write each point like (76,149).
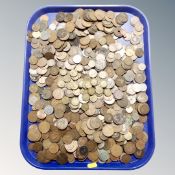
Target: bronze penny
(93,156)
(116,150)
(37,146)
(62,158)
(125,158)
(55,136)
(143,108)
(67,139)
(49,55)
(49,155)
(129,147)
(32,116)
(140,144)
(53,148)
(41,157)
(139,154)
(71,158)
(92,145)
(113,158)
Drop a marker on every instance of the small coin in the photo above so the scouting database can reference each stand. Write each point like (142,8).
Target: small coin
(61,123)
(125,158)
(53,148)
(62,158)
(108,130)
(58,93)
(143,108)
(129,148)
(116,150)
(32,116)
(33,133)
(44,126)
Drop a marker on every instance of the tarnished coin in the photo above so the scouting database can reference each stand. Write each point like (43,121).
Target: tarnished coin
(61,123)
(116,150)
(108,130)
(44,127)
(33,133)
(58,93)
(53,148)
(62,158)
(129,148)
(32,116)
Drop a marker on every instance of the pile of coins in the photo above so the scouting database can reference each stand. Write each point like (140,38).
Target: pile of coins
(88,91)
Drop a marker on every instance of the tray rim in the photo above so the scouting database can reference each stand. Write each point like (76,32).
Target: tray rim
(23,149)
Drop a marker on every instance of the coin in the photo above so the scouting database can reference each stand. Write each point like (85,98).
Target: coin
(54,136)
(61,123)
(44,127)
(37,146)
(58,93)
(125,158)
(116,150)
(62,158)
(32,116)
(108,130)
(129,148)
(143,108)
(33,133)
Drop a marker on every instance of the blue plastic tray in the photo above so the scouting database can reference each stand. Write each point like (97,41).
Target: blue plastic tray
(149,127)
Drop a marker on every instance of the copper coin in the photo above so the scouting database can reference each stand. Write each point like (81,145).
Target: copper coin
(67,138)
(32,116)
(93,156)
(44,126)
(53,148)
(140,144)
(41,157)
(54,136)
(62,158)
(143,108)
(37,146)
(125,158)
(116,150)
(92,146)
(139,154)
(129,148)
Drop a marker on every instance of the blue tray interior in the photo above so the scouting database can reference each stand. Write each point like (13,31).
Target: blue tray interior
(149,126)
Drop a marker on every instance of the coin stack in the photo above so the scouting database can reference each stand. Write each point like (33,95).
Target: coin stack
(88,92)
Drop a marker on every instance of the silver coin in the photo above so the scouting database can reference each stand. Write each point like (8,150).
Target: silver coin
(48,109)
